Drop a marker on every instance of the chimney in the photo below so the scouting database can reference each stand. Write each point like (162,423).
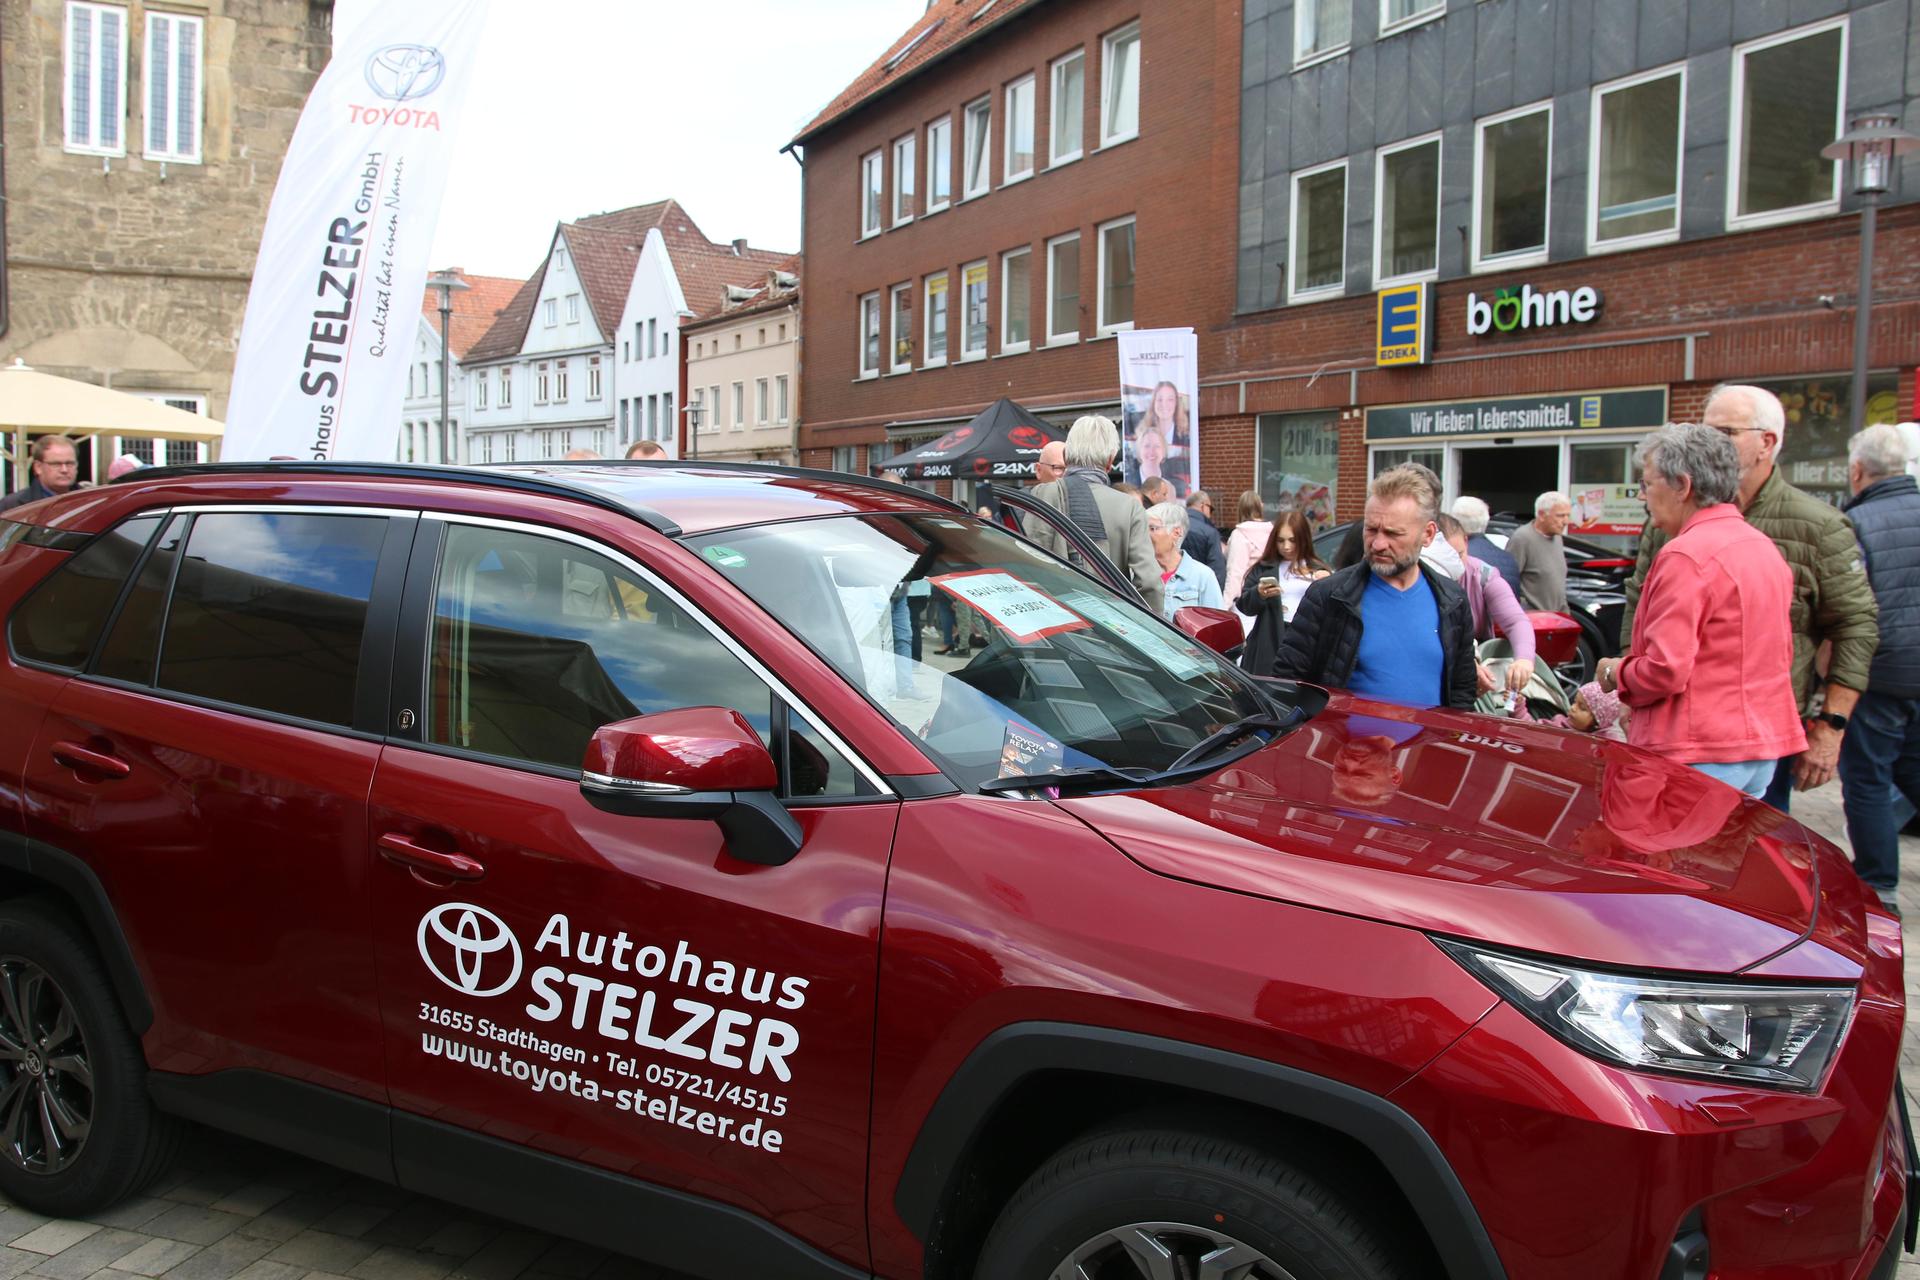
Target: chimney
(740,247)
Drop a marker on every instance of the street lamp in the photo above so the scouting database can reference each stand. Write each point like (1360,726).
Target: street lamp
(693,427)
(1868,148)
(447,282)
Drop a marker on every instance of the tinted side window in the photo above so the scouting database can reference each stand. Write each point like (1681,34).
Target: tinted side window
(60,621)
(268,611)
(537,643)
(134,640)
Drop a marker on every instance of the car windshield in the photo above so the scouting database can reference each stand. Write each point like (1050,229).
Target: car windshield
(1061,675)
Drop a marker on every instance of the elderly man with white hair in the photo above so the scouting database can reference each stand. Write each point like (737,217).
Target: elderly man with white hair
(1880,754)
(1540,556)
(1115,522)
(1187,580)
(1473,515)
(1832,600)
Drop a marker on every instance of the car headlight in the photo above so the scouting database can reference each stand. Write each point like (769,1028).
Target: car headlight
(1777,1036)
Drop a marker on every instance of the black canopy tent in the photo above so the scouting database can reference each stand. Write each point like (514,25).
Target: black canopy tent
(1000,443)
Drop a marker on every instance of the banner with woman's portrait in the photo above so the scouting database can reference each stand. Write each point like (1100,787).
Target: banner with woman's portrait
(1160,407)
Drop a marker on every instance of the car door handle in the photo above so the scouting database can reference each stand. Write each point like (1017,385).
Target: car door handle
(74,755)
(398,849)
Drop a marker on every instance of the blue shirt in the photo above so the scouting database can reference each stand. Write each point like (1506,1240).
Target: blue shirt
(1192,583)
(1400,656)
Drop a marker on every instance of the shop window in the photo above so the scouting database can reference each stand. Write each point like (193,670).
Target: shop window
(1319,233)
(1787,98)
(1320,28)
(1019,161)
(1068,107)
(870,336)
(1016,300)
(1407,211)
(1116,276)
(1434,460)
(936,352)
(1510,188)
(979,137)
(973,316)
(900,305)
(1063,289)
(904,169)
(939,165)
(1814,454)
(1299,461)
(1636,168)
(872,192)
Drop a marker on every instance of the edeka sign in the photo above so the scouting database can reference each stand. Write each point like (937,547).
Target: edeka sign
(1511,309)
(1639,409)
(1403,325)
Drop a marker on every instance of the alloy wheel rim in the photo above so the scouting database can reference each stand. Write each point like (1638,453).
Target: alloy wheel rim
(46,1072)
(1167,1251)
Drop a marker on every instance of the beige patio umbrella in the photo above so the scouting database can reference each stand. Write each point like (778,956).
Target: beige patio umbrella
(40,402)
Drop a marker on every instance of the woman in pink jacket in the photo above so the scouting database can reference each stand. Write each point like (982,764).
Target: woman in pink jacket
(1710,674)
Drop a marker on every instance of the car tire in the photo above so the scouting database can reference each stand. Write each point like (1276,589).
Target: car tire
(77,1130)
(1142,1204)
(1579,669)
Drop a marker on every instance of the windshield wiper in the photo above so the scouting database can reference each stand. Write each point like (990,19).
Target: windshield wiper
(1223,735)
(1090,778)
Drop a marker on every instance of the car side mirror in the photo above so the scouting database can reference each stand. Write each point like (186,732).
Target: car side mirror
(1217,629)
(696,762)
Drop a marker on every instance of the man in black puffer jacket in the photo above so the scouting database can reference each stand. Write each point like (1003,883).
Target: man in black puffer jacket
(1384,628)
(1881,751)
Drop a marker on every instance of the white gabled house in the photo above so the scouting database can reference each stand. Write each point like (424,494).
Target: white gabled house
(473,311)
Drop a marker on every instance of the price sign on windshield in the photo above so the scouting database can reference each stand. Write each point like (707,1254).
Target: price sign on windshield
(1015,607)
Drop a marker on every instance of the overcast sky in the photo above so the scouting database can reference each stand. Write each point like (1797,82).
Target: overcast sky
(589,105)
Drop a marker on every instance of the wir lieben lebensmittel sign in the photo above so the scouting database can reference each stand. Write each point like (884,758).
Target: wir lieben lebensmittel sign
(1637,409)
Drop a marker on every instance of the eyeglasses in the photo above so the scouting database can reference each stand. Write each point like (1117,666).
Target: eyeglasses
(63,466)
(1731,432)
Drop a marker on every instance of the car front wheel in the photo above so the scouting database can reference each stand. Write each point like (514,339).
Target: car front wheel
(1161,1205)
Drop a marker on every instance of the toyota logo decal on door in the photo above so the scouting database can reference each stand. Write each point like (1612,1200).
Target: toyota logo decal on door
(469,948)
(405,71)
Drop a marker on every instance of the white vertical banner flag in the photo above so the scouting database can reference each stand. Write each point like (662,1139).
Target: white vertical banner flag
(336,291)
(1160,406)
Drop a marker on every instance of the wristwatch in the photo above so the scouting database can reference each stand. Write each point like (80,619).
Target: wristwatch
(1832,719)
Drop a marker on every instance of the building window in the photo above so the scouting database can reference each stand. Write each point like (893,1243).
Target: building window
(666,416)
(739,406)
(1395,14)
(979,137)
(1406,214)
(843,459)
(506,387)
(900,305)
(626,429)
(573,308)
(1321,28)
(654,345)
(905,167)
(1063,289)
(560,380)
(1019,160)
(783,333)
(1788,93)
(760,401)
(1510,188)
(593,377)
(542,382)
(480,391)
(939,164)
(936,347)
(96,78)
(973,315)
(550,312)
(870,336)
(1116,276)
(1120,85)
(639,337)
(653,417)
(1635,191)
(780,395)
(1016,300)
(872,192)
(1319,233)
(174,103)
(1067,108)
(714,400)
(560,258)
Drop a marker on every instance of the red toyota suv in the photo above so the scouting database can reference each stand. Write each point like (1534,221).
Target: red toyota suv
(593,845)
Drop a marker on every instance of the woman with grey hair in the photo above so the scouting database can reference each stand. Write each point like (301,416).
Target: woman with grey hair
(1709,678)
(1184,580)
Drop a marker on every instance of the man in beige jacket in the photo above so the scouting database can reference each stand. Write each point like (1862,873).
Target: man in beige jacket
(1116,523)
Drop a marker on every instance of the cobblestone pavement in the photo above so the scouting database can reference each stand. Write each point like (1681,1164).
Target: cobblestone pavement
(234,1210)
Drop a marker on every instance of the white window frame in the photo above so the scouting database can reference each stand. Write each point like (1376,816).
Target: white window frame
(506,386)
(1294,246)
(873,193)
(1531,257)
(573,308)
(542,382)
(1057,337)
(980,109)
(550,312)
(177,129)
(480,391)
(1319,55)
(1100,281)
(561,370)
(1055,71)
(715,398)
(969,354)
(1131,30)
(869,300)
(780,396)
(933,356)
(1594,243)
(906,170)
(1736,127)
(1380,204)
(1010,175)
(760,402)
(593,378)
(938,158)
(91,145)
(739,406)
(894,363)
(1395,27)
(1006,296)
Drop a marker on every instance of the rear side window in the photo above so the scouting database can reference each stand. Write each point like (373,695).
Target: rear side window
(268,611)
(59,623)
(133,642)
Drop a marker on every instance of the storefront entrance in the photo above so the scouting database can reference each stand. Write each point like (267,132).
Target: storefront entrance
(1508,477)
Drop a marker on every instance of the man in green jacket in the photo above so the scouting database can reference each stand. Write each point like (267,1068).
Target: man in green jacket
(1832,599)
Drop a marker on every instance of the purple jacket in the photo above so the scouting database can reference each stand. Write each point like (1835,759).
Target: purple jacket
(1493,604)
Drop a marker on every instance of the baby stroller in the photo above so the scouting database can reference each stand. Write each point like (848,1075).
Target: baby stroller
(1545,695)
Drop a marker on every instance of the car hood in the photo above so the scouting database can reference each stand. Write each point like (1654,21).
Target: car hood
(1510,833)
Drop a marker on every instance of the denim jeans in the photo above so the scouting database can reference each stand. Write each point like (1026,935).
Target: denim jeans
(1879,765)
(1780,789)
(1750,776)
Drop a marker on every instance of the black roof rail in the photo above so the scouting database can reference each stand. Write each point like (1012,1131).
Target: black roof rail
(763,468)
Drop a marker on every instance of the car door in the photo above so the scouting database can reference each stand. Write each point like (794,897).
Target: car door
(558,981)
(210,762)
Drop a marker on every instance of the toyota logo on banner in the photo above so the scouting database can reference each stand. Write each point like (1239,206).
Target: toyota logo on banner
(402,72)
(469,948)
